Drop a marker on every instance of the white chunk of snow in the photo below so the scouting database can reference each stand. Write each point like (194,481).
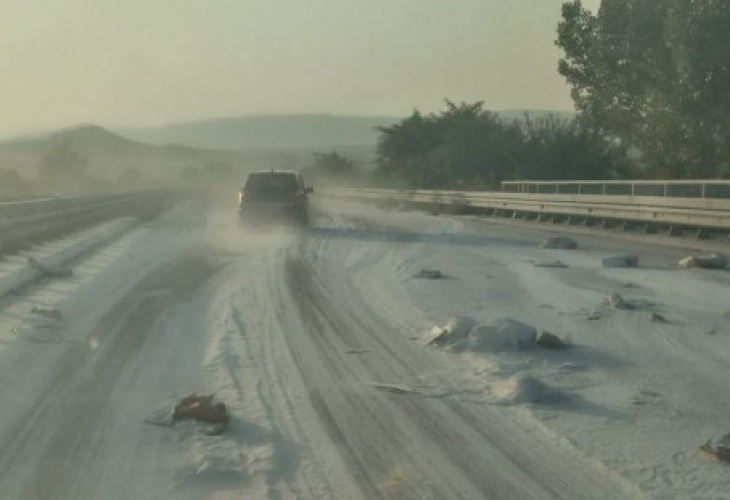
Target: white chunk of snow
(456,327)
(712,261)
(524,389)
(560,243)
(499,335)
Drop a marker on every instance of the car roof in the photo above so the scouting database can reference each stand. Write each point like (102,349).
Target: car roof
(289,172)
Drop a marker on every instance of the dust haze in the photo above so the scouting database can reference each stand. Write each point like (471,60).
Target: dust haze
(199,95)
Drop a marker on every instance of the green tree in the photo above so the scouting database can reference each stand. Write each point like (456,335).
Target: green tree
(654,75)
(467,147)
(403,148)
(462,144)
(331,164)
(698,32)
(569,150)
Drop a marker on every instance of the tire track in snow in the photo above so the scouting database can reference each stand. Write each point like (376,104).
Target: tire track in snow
(297,467)
(60,464)
(373,429)
(474,460)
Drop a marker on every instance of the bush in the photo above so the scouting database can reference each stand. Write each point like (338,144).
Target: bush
(468,148)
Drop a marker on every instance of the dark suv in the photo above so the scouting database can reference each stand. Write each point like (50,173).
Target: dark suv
(274,196)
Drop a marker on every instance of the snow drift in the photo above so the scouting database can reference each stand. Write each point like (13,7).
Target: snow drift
(464,334)
(524,389)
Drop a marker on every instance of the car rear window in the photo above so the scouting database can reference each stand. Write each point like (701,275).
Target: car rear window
(274,183)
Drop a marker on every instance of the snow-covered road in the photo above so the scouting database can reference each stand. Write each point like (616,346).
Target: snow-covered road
(316,343)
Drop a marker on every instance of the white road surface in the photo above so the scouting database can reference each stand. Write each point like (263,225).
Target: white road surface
(316,343)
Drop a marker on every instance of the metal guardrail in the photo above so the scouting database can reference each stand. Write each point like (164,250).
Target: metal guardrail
(20,208)
(708,188)
(25,223)
(11,210)
(706,213)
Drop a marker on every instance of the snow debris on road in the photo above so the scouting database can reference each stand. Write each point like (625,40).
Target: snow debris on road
(525,389)
(278,335)
(658,318)
(594,316)
(499,335)
(430,274)
(464,334)
(203,409)
(560,243)
(205,468)
(720,450)
(456,327)
(556,264)
(621,261)
(572,367)
(712,261)
(393,388)
(41,325)
(47,313)
(549,340)
(616,301)
(649,445)
(49,269)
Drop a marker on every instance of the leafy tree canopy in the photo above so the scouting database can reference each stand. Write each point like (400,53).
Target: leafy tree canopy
(331,164)
(468,147)
(655,75)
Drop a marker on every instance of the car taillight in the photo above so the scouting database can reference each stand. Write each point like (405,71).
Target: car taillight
(240,198)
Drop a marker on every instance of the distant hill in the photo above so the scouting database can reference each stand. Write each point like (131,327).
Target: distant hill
(108,154)
(244,143)
(96,142)
(268,132)
(312,132)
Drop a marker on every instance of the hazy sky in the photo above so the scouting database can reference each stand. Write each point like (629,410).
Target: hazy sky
(129,62)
